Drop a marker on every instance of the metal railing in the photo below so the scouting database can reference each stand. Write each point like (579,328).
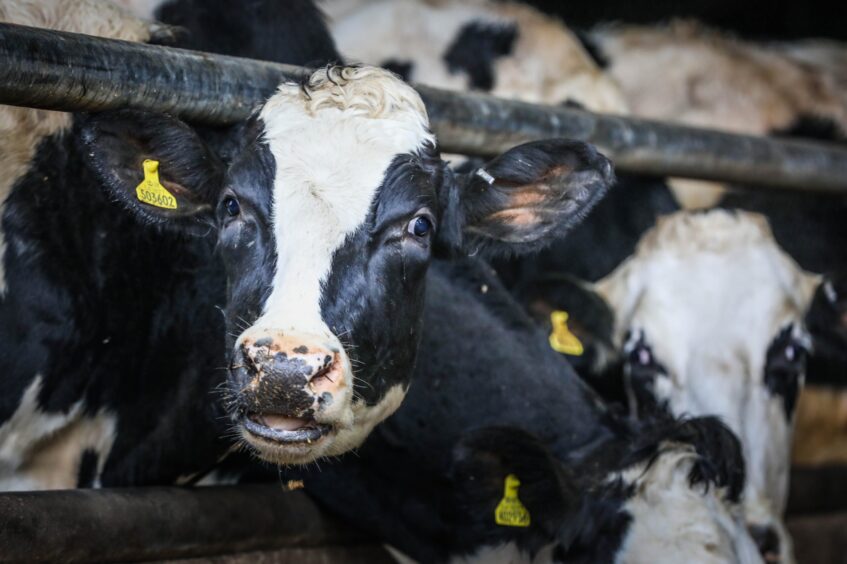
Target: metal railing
(73,72)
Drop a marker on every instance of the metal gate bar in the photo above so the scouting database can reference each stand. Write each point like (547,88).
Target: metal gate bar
(157,523)
(72,72)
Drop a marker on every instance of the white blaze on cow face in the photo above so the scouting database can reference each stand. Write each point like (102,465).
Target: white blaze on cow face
(332,144)
(710,293)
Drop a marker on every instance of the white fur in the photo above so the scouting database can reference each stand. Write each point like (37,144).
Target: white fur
(22,129)
(41,450)
(332,149)
(711,291)
(687,73)
(547,64)
(507,553)
(673,522)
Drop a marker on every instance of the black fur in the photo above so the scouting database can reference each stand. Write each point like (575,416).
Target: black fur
(115,308)
(827,323)
(785,368)
(87,469)
(403,68)
(476,49)
(594,50)
(284,31)
(427,479)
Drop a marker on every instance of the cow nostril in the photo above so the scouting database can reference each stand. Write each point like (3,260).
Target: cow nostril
(767,540)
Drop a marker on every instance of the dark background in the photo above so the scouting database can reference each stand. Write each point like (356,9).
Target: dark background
(758,20)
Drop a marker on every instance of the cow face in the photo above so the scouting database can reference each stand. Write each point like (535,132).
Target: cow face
(709,313)
(327,221)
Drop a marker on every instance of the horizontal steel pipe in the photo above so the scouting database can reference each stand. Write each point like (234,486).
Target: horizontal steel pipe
(71,72)
(161,523)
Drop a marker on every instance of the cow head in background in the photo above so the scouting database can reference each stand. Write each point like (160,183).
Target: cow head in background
(327,221)
(709,316)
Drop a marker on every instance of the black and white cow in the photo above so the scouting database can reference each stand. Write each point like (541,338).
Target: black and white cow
(707,317)
(324,224)
(483,362)
(505,48)
(112,339)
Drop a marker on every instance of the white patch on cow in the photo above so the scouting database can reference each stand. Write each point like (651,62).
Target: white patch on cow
(675,522)
(365,418)
(710,292)
(686,73)
(507,553)
(332,148)
(41,450)
(22,129)
(547,64)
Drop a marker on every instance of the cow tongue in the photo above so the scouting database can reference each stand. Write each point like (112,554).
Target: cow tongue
(283,423)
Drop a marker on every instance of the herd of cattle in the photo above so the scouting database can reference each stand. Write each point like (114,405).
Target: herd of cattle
(634,365)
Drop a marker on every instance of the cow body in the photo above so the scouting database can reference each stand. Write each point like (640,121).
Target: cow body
(106,323)
(404,485)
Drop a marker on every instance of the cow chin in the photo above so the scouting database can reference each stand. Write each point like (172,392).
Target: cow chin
(345,431)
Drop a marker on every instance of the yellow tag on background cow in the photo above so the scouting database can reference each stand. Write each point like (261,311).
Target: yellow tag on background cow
(510,511)
(561,338)
(151,191)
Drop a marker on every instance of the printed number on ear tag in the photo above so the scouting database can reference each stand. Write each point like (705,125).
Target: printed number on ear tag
(510,511)
(561,338)
(151,191)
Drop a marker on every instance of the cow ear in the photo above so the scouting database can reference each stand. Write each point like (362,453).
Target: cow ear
(156,166)
(526,197)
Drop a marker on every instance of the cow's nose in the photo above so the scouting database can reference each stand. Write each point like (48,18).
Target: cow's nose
(286,375)
(767,539)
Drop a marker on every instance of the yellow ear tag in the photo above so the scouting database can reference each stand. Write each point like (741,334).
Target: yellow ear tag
(151,191)
(510,511)
(561,338)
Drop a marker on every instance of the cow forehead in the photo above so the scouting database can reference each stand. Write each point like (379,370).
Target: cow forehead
(332,141)
(710,290)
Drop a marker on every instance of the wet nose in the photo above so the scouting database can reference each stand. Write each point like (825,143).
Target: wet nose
(286,373)
(767,539)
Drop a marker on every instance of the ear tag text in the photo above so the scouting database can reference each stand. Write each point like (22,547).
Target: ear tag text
(561,338)
(510,511)
(151,191)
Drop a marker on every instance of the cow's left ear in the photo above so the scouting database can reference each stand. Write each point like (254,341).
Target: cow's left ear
(154,165)
(526,197)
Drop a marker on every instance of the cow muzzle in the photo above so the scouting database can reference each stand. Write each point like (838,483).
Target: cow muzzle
(291,393)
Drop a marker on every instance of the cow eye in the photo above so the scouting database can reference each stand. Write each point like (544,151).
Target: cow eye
(420,226)
(231,206)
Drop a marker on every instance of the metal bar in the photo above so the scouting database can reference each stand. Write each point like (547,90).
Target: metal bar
(72,72)
(162,523)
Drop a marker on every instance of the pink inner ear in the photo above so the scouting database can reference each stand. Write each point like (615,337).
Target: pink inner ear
(523,217)
(533,195)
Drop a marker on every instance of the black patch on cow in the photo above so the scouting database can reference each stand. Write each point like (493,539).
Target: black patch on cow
(476,48)
(87,469)
(292,32)
(827,323)
(818,128)
(403,68)
(592,48)
(641,369)
(766,539)
(784,369)
(571,103)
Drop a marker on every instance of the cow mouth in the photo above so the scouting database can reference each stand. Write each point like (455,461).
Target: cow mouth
(283,429)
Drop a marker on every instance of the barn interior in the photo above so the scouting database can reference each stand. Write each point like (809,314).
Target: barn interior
(639,366)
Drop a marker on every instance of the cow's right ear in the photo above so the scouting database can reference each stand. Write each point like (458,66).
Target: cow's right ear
(154,165)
